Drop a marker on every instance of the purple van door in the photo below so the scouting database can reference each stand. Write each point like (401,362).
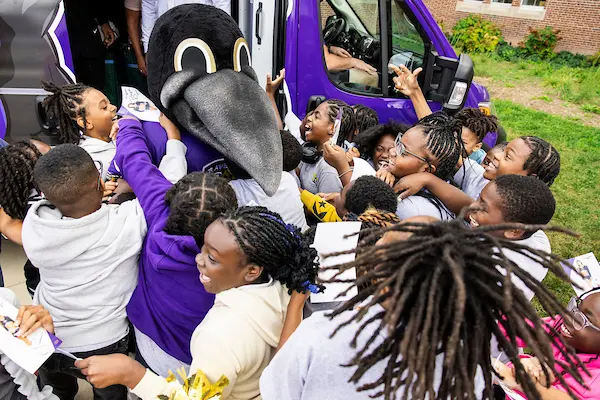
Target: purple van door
(408,25)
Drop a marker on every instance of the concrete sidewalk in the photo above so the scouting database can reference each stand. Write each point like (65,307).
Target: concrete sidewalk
(12,260)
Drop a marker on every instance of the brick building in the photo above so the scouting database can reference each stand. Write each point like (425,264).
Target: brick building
(578,20)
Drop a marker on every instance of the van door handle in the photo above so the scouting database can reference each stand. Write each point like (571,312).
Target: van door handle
(257,23)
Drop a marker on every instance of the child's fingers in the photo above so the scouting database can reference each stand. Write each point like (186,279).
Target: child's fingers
(83,364)
(417,71)
(20,313)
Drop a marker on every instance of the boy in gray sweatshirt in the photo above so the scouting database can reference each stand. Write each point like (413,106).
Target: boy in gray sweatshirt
(87,253)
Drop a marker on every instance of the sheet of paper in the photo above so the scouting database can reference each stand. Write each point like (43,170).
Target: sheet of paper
(137,104)
(30,352)
(587,265)
(330,238)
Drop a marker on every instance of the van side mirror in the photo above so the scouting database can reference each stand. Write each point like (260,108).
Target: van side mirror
(448,80)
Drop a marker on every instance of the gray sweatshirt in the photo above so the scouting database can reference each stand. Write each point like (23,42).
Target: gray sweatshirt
(88,269)
(308,366)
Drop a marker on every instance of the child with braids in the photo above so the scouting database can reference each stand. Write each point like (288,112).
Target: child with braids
(252,261)
(375,143)
(423,328)
(169,300)
(431,146)
(366,118)
(579,330)
(84,117)
(315,174)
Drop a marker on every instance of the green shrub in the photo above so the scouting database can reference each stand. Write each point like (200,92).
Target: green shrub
(540,43)
(474,34)
(594,60)
(568,59)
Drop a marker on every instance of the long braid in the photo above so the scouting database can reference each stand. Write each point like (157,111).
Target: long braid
(348,122)
(17,162)
(281,249)
(447,289)
(544,160)
(443,142)
(64,106)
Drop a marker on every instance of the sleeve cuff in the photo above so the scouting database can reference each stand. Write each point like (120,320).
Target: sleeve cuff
(150,387)
(176,147)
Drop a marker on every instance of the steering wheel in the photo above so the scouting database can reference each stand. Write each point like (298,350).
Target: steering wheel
(333,30)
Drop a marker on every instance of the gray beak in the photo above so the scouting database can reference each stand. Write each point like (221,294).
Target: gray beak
(231,112)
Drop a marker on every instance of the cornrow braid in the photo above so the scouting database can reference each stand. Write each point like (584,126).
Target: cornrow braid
(17,162)
(544,160)
(64,106)
(443,142)
(281,249)
(365,117)
(447,289)
(195,202)
(477,122)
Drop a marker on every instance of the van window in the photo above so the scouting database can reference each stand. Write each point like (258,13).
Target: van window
(352,37)
(407,45)
(352,49)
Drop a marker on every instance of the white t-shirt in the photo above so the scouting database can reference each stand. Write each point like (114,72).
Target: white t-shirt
(319,177)
(133,5)
(470,178)
(414,206)
(286,201)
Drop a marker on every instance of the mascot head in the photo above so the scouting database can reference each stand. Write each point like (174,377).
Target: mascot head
(199,75)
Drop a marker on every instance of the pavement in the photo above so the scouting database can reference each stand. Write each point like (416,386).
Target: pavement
(12,260)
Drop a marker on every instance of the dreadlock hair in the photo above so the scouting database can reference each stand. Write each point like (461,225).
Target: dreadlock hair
(195,202)
(544,160)
(369,191)
(477,122)
(64,106)
(348,123)
(284,253)
(365,117)
(443,142)
(366,141)
(524,199)
(446,290)
(66,174)
(17,162)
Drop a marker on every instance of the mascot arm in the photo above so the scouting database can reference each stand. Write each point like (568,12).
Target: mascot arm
(134,161)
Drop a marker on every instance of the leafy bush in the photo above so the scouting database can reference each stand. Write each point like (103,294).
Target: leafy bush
(594,60)
(474,34)
(541,42)
(568,59)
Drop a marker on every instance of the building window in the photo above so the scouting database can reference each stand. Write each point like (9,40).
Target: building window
(502,1)
(535,3)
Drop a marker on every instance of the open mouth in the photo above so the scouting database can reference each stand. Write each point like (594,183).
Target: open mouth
(204,278)
(564,331)
(383,163)
(491,167)
(474,223)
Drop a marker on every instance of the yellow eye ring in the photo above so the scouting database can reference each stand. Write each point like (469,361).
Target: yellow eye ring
(209,58)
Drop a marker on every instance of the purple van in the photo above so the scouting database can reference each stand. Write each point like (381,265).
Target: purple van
(295,34)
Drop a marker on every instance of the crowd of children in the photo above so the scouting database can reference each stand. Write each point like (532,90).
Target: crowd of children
(160,269)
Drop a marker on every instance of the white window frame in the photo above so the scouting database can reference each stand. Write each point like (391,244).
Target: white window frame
(528,7)
(494,3)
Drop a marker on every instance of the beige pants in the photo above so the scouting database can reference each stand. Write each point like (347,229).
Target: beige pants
(363,78)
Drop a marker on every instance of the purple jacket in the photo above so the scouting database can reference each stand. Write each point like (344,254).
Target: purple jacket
(169,301)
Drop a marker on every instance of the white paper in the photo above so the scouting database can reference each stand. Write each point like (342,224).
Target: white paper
(588,267)
(30,352)
(330,238)
(136,103)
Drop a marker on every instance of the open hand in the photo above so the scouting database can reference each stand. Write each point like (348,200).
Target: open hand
(30,318)
(405,81)
(328,197)
(411,184)
(272,85)
(113,369)
(172,129)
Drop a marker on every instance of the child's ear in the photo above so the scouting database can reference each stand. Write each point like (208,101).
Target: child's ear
(477,146)
(81,125)
(514,234)
(254,272)
(431,169)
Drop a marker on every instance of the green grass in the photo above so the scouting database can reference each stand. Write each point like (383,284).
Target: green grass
(575,85)
(577,189)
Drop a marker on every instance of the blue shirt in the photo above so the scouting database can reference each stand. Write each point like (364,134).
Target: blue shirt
(478,156)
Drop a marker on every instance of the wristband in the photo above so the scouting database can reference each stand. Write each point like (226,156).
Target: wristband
(350,170)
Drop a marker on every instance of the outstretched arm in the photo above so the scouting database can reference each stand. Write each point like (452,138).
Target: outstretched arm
(407,84)
(11,228)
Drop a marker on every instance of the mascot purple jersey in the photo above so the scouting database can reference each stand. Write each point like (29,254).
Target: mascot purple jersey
(199,76)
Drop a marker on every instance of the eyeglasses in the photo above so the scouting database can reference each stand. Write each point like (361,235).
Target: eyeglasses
(401,150)
(578,319)
(100,168)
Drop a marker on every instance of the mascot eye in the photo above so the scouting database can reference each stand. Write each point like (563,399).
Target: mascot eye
(195,54)
(241,55)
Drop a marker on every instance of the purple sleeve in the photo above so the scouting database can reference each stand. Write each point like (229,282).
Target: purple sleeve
(134,161)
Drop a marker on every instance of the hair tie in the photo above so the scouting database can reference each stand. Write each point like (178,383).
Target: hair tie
(311,287)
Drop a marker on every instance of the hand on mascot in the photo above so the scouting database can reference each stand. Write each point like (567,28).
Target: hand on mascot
(172,130)
(272,85)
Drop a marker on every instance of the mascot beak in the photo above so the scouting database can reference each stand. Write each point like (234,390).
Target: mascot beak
(231,112)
